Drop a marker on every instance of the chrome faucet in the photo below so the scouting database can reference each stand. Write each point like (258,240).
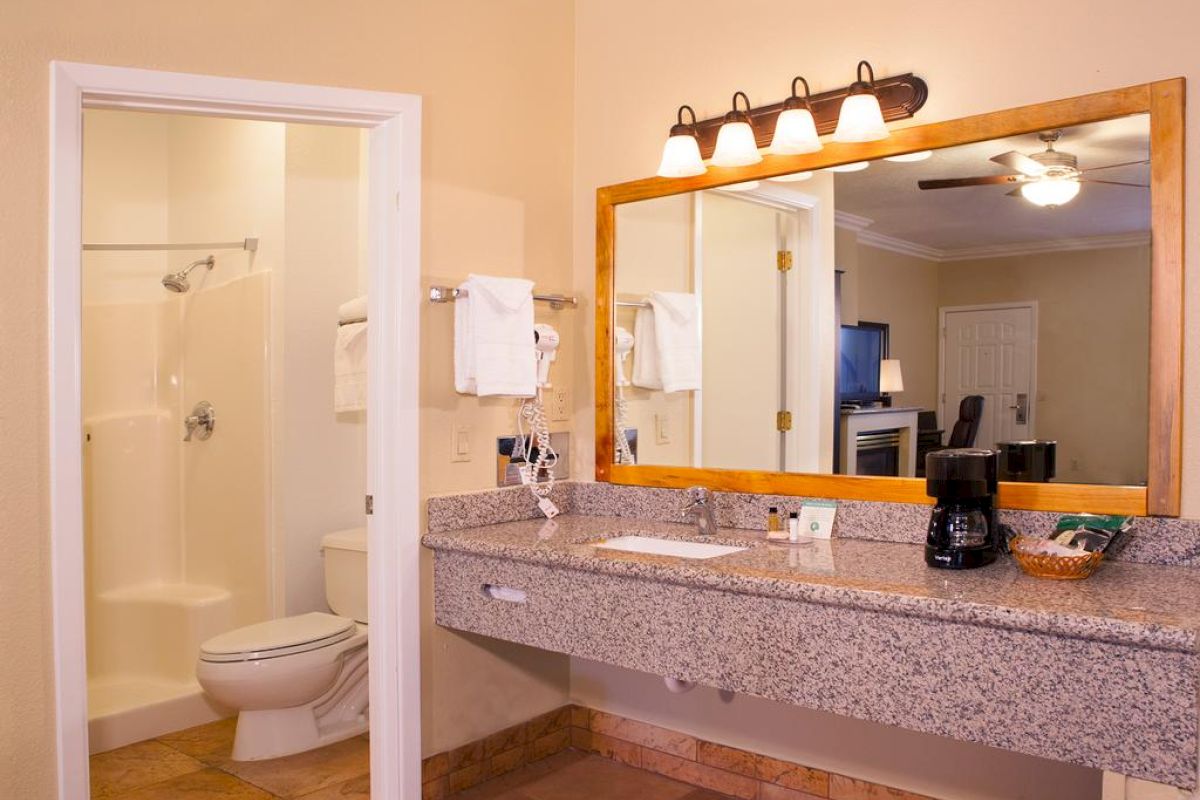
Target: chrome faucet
(200,422)
(700,509)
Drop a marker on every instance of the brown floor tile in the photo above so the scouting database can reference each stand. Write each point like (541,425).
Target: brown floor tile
(206,784)
(793,776)
(355,789)
(305,773)
(574,776)
(843,788)
(208,743)
(134,766)
(643,733)
(700,774)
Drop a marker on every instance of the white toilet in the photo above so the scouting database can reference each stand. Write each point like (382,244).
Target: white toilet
(298,682)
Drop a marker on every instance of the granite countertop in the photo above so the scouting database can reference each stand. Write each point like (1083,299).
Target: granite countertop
(1142,605)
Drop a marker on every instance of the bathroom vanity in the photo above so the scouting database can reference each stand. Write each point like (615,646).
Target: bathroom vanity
(1104,673)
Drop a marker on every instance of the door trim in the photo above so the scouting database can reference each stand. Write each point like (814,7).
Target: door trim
(394,125)
(1033,371)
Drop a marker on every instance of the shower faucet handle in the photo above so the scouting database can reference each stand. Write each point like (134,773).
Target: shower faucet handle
(200,422)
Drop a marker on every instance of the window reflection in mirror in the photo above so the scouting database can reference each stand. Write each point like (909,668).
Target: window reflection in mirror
(990,295)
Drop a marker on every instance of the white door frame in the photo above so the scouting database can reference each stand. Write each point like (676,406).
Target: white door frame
(1032,305)
(394,124)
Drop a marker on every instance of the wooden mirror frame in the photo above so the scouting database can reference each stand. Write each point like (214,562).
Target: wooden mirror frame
(1162,100)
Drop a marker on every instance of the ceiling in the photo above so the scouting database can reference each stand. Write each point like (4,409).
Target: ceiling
(974,217)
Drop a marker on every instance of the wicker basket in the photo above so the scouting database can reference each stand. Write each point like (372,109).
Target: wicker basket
(1059,568)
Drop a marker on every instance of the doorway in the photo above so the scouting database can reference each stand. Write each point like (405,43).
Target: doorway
(991,351)
(392,125)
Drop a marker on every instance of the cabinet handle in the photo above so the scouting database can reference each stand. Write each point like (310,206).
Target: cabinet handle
(504,593)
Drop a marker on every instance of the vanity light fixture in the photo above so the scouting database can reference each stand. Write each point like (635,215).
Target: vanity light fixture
(861,118)
(793,177)
(736,146)
(681,153)
(908,158)
(854,166)
(744,186)
(796,128)
(1051,191)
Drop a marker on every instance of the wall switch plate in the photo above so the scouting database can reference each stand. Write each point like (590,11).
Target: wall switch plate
(662,429)
(460,442)
(559,405)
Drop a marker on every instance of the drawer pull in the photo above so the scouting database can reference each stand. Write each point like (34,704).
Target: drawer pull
(505,593)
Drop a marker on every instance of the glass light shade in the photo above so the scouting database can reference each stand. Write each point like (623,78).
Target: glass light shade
(795,133)
(854,166)
(792,178)
(736,146)
(744,186)
(681,158)
(890,379)
(1050,192)
(860,120)
(920,155)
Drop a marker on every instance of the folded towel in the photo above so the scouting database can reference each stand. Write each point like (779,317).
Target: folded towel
(353,309)
(645,351)
(493,338)
(350,368)
(677,333)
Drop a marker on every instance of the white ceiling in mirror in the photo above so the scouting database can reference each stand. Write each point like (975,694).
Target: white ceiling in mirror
(885,203)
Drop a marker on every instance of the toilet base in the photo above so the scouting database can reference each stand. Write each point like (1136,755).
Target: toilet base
(287,731)
(339,714)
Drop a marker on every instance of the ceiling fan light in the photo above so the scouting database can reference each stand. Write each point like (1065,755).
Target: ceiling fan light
(793,177)
(1050,192)
(681,153)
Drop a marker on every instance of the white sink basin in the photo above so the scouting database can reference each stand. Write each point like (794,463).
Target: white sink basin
(667,547)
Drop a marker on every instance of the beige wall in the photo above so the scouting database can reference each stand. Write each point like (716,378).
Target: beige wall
(497,84)
(902,291)
(1092,350)
(636,62)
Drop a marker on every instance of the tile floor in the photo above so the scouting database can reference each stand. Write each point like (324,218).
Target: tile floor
(573,775)
(194,764)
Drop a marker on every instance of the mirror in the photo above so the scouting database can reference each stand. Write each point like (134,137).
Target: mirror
(848,320)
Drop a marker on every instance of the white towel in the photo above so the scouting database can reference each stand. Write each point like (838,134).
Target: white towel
(645,351)
(350,368)
(353,309)
(677,333)
(493,338)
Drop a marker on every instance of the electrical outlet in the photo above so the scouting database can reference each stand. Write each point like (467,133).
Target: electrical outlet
(662,429)
(560,405)
(460,442)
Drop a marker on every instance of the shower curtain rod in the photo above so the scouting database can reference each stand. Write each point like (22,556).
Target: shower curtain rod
(250,244)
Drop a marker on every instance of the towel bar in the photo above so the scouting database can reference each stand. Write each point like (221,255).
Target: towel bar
(448,294)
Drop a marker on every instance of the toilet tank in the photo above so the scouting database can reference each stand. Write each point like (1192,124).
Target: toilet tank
(346,572)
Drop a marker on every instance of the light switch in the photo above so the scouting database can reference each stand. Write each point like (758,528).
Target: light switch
(460,443)
(662,429)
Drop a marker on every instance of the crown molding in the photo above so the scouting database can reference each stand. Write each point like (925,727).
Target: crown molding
(859,224)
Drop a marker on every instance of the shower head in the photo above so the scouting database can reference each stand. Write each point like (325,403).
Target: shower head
(178,281)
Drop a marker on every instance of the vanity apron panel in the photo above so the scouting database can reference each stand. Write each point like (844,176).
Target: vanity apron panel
(1123,708)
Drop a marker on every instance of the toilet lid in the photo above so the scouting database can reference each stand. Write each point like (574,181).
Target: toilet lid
(278,637)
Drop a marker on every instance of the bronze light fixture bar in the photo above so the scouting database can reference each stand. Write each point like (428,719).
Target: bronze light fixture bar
(900,97)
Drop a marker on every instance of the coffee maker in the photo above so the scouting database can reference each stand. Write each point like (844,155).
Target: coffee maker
(963,531)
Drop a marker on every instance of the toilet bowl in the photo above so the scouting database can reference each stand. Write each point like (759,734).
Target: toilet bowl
(298,682)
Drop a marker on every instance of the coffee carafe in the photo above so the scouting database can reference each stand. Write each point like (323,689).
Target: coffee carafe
(963,532)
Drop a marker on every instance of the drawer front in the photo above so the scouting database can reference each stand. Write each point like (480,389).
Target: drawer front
(1126,709)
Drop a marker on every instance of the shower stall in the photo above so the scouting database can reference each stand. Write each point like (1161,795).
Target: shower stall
(214,460)
(176,407)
